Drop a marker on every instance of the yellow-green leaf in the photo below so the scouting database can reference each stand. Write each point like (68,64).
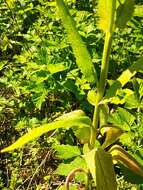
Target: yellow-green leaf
(138,11)
(91,97)
(131,71)
(120,155)
(106,12)
(90,161)
(83,58)
(112,134)
(83,134)
(105,175)
(123,79)
(75,118)
(103,114)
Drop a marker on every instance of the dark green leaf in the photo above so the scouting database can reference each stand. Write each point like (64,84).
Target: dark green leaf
(124,13)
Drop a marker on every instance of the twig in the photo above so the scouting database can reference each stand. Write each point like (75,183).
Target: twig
(71,176)
(43,161)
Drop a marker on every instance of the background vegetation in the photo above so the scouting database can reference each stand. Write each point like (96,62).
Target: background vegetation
(39,81)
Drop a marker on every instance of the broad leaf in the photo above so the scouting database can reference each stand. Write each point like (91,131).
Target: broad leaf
(105,175)
(138,11)
(131,71)
(122,118)
(83,134)
(126,116)
(75,118)
(122,80)
(71,187)
(81,53)
(55,68)
(90,161)
(132,102)
(65,168)
(127,138)
(66,151)
(91,97)
(124,13)
(39,98)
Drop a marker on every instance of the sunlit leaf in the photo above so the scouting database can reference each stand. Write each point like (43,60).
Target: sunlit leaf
(74,118)
(105,175)
(66,151)
(71,187)
(83,134)
(112,134)
(91,97)
(90,161)
(65,168)
(131,71)
(121,81)
(55,68)
(138,11)
(132,102)
(83,58)
(122,118)
(10,2)
(122,156)
(106,11)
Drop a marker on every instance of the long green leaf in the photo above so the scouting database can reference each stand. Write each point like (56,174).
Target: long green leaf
(83,58)
(124,13)
(105,175)
(106,12)
(120,155)
(75,118)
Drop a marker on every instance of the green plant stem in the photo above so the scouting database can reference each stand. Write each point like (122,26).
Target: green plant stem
(102,84)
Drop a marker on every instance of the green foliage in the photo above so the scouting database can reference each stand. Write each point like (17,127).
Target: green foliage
(75,118)
(106,12)
(66,151)
(40,81)
(104,167)
(81,53)
(112,134)
(90,161)
(122,118)
(64,168)
(124,13)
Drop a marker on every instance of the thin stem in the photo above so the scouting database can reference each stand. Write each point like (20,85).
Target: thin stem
(102,84)
(71,176)
(105,64)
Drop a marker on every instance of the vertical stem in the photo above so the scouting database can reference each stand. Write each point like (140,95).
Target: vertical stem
(102,84)
(105,64)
